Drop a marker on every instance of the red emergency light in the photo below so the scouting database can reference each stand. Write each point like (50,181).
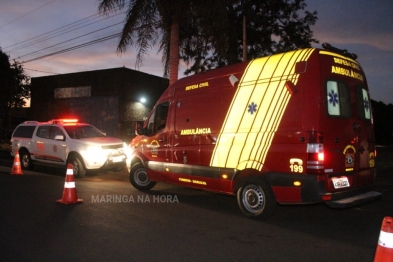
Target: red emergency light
(64,121)
(69,120)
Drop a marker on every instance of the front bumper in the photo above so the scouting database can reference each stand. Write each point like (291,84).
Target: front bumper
(106,162)
(115,162)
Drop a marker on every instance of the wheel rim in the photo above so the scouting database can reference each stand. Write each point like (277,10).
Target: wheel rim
(75,167)
(253,199)
(140,177)
(25,161)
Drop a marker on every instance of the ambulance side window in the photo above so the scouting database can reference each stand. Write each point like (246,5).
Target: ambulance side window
(338,100)
(363,103)
(150,123)
(157,120)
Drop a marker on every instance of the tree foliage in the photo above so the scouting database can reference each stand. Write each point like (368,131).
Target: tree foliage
(149,22)
(14,88)
(383,122)
(272,26)
(208,33)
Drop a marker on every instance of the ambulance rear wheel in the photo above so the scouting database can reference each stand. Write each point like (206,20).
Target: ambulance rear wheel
(256,199)
(139,178)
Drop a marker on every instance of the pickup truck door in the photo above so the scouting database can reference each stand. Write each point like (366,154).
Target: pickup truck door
(56,145)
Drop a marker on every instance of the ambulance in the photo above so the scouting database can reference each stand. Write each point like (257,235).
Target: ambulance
(290,128)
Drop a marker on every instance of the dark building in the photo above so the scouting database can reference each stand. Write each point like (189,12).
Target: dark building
(109,99)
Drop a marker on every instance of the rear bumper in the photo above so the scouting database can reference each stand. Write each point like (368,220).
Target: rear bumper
(314,191)
(352,198)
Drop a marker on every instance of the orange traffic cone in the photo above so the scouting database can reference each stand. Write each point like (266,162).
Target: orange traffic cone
(385,242)
(16,167)
(69,192)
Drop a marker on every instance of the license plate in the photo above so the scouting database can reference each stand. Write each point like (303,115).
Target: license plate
(340,182)
(117,159)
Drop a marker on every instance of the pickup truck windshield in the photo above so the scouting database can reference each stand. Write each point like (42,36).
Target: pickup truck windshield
(85,131)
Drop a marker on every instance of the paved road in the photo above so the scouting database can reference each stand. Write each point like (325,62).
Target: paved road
(115,222)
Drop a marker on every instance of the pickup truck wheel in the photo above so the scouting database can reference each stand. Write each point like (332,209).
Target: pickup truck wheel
(25,160)
(139,178)
(256,199)
(77,166)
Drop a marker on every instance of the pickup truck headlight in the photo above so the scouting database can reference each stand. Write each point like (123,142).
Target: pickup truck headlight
(93,152)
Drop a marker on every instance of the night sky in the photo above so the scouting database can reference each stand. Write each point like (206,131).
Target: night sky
(31,29)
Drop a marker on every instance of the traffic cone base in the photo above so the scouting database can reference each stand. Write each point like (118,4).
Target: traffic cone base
(69,192)
(385,242)
(16,167)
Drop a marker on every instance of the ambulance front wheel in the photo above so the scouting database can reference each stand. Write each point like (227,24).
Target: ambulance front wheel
(139,178)
(256,199)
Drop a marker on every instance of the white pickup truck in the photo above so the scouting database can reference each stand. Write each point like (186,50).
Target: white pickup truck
(62,141)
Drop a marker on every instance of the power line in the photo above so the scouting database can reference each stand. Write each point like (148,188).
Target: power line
(70,40)
(74,47)
(27,14)
(56,32)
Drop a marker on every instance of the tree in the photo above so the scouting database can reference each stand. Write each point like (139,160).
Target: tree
(14,88)
(383,122)
(173,20)
(273,26)
(208,33)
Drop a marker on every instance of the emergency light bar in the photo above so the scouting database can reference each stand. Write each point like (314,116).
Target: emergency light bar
(343,52)
(59,121)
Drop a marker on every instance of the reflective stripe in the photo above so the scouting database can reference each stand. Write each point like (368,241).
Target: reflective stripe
(69,185)
(256,111)
(385,239)
(70,172)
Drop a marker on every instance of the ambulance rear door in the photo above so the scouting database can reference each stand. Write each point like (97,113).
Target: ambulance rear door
(346,130)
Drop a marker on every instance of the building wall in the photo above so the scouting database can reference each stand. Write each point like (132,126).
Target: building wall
(107,99)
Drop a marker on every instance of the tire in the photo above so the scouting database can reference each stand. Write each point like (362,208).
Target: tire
(25,160)
(256,199)
(77,166)
(139,178)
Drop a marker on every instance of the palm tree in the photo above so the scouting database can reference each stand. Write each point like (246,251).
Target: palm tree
(172,22)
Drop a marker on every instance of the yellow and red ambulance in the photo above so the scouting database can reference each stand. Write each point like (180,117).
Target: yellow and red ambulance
(290,128)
